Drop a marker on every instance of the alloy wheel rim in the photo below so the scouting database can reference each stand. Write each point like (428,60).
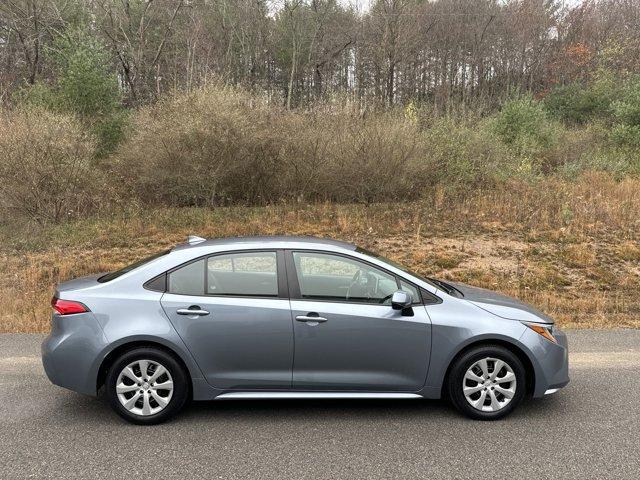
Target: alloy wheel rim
(489,384)
(144,387)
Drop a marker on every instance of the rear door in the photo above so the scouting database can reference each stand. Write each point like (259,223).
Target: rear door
(347,336)
(232,312)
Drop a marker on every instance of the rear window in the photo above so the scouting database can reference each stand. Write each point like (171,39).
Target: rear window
(113,275)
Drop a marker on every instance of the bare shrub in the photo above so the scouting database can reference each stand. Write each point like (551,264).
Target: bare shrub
(46,173)
(462,157)
(207,147)
(222,146)
(341,157)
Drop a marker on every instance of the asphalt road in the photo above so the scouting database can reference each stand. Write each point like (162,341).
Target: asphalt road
(591,429)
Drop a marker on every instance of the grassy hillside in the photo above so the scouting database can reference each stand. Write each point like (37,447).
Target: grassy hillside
(539,199)
(570,248)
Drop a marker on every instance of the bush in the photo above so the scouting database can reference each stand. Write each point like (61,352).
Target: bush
(523,126)
(613,161)
(578,104)
(223,146)
(202,148)
(461,156)
(626,135)
(626,112)
(46,173)
(339,156)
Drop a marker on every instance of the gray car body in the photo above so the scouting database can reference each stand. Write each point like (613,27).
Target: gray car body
(254,344)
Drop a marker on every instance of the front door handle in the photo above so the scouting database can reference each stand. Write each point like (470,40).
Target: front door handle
(307,318)
(192,310)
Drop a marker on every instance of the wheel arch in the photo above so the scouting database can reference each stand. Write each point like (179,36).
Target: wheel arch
(118,350)
(485,342)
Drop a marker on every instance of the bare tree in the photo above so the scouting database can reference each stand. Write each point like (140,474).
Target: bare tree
(444,52)
(138,31)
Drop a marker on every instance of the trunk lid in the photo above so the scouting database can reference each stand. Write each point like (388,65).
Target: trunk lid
(79,283)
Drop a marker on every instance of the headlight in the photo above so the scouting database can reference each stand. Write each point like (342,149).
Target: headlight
(545,330)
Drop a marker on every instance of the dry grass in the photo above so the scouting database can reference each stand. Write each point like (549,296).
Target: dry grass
(572,249)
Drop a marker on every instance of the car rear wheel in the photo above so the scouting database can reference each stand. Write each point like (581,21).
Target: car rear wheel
(146,386)
(487,383)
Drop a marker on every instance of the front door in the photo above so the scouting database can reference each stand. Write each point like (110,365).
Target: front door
(232,312)
(347,336)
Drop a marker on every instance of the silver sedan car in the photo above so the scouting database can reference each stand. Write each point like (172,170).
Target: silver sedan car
(294,317)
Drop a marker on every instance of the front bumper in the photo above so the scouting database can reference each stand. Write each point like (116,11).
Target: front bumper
(550,361)
(71,351)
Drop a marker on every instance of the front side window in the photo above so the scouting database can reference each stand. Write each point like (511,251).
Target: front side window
(333,277)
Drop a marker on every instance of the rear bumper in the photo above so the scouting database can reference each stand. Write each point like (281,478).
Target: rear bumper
(551,361)
(70,352)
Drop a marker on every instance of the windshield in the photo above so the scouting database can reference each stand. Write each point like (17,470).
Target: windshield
(113,275)
(439,284)
(430,281)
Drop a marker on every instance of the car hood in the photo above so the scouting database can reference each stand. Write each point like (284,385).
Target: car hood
(501,305)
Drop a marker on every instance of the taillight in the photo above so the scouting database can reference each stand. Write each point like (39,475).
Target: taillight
(67,307)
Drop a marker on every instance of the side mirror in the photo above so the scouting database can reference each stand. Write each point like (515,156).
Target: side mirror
(401,300)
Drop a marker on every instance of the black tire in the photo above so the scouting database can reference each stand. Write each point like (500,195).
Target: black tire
(457,373)
(179,377)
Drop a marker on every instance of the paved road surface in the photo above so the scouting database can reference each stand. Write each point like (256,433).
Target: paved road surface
(590,430)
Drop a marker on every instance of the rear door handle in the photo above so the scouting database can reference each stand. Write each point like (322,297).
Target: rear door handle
(307,318)
(192,310)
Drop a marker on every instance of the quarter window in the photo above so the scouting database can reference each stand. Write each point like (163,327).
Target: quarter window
(333,277)
(407,287)
(188,280)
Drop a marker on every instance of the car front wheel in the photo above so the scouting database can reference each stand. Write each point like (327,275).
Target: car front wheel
(487,382)
(146,386)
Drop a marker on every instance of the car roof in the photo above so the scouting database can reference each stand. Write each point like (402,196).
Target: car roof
(279,241)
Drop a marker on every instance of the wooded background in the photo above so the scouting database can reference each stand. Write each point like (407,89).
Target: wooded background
(445,52)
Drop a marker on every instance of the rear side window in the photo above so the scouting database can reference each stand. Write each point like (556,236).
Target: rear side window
(243,274)
(113,275)
(249,274)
